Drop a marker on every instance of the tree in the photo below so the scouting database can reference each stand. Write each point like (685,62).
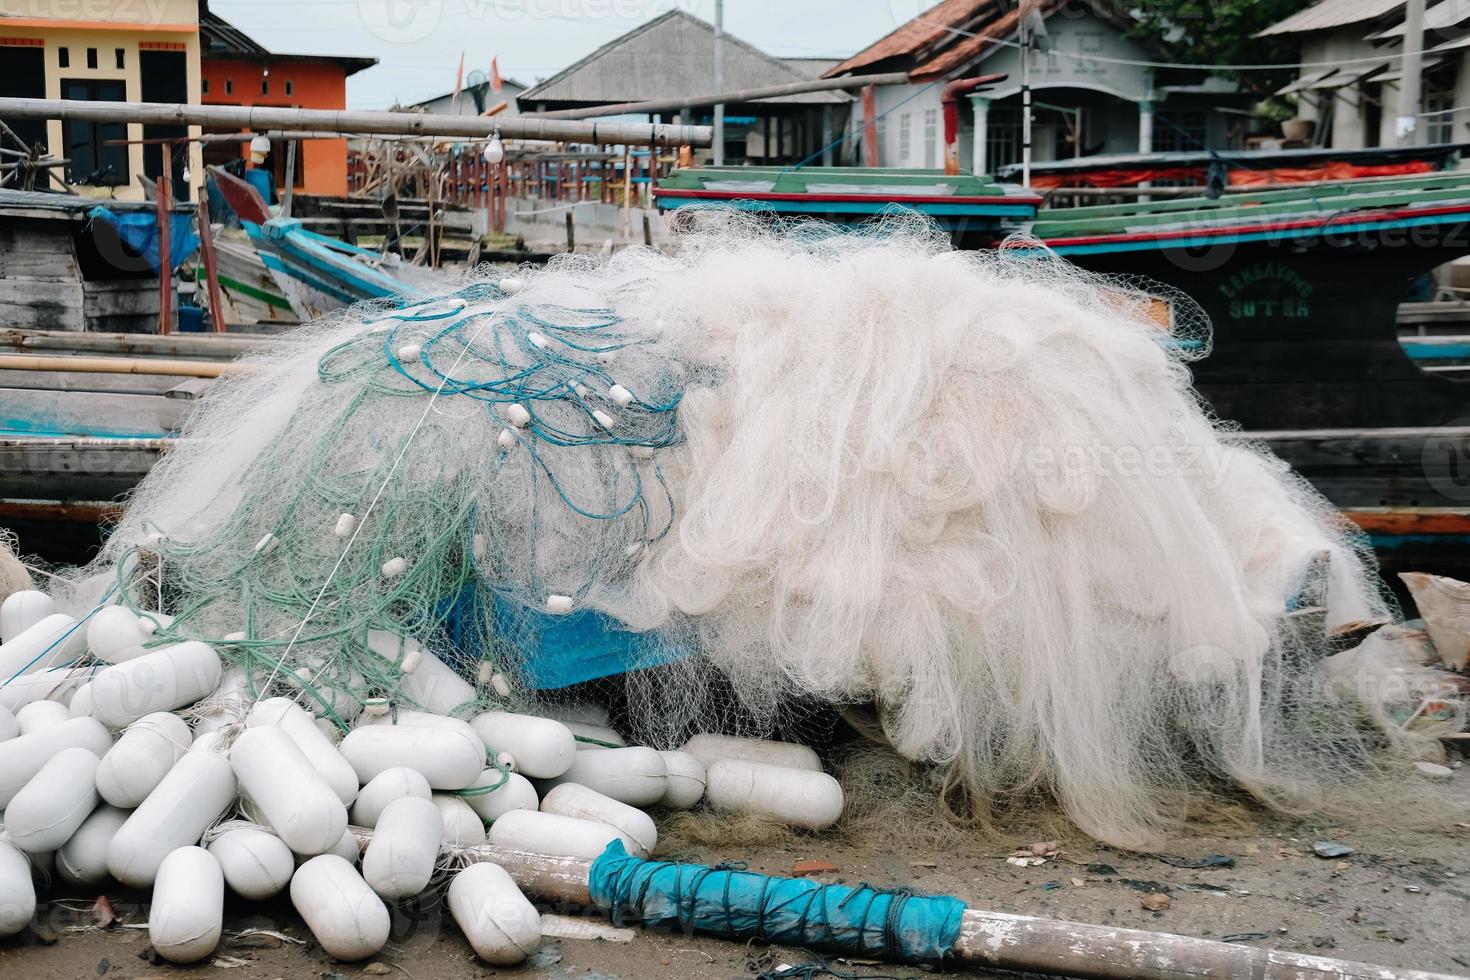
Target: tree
(1221,32)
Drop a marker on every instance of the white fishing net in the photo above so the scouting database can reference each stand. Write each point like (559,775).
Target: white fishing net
(972,489)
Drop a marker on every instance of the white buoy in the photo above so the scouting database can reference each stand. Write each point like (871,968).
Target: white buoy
(384,788)
(330,687)
(462,825)
(512,284)
(426,680)
(400,859)
(113,633)
(82,860)
(636,776)
(22,757)
(39,715)
(347,918)
(348,849)
(560,605)
(150,622)
(542,748)
(178,811)
(54,802)
(710,749)
(502,927)
(296,802)
(17,891)
(506,439)
(515,793)
(54,684)
(80,705)
(598,733)
(161,680)
(409,352)
(22,610)
(603,419)
(450,757)
(226,705)
(51,642)
(394,567)
(291,718)
(686,780)
(538,340)
(345,526)
(516,415)
(799,797)
(9,727)
(256,863)
(573,800)
(552,833)
(267,544)
(620,396)
(141,757)
(186,917)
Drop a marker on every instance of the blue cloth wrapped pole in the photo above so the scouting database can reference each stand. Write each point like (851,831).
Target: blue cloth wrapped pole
(738,904)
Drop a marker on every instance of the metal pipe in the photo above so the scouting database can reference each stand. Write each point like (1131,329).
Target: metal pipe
(949,102)
(719,147)
(1410,80)
(722,98)
(333,120)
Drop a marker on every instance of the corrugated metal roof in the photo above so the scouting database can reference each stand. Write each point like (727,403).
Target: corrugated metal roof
(668,57)
(1332,13)
(1436,18)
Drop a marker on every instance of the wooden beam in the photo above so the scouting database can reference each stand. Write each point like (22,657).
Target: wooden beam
(211,267)
(165,266)
(112,365)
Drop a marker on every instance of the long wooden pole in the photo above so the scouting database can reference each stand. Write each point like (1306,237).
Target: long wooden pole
(722,98)
(211,270)
(260,118)
(1019,942)
(113,365)
(164,214)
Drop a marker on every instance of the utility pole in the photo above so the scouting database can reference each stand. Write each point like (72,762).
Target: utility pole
(1408,128)
(719,146)
(1025,35)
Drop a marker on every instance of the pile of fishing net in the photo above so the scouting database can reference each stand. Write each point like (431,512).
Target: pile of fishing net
(773,478)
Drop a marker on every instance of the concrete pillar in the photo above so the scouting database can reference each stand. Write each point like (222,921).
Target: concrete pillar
(1146,126)
(1458,129)
(981,106)
(827,136)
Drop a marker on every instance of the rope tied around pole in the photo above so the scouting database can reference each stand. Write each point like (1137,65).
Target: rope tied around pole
(727,900)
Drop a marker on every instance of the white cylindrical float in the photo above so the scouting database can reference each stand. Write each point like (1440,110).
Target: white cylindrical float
(114,634)
(552,833)
(636,776)
(280,780)
(575,800)
(347,917)
(17,891)
(227,704)
(22,757)
(22,610)
(384,788)
(160,680)
(399,860)
(515,793)
(542,748)
(462,825)
(187,914)
(426,680)
(199,788)
(82,860)
(799,797)
(686,780)
(709,749)
(502,927)
(80,705)
(53,684)
(256,863)
(348,848)
(50,642)
(600,736)
(449,756)
(9,727)
(141,757)
(37,715)
(291,718)
(54,802)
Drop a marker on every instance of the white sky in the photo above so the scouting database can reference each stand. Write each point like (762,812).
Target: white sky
(418,42)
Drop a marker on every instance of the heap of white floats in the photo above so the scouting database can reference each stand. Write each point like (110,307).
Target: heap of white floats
(143,762)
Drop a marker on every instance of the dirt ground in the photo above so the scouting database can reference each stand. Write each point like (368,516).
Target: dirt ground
(1401,899)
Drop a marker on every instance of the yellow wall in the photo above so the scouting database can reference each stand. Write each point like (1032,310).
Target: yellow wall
(107,25)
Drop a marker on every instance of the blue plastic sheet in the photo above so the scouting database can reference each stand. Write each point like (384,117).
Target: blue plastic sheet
(740,904)
(139,232)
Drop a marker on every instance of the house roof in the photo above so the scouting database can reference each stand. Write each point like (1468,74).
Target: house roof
(668,57)
(1448,13)
(1332,13)
(221,40)
(506,83)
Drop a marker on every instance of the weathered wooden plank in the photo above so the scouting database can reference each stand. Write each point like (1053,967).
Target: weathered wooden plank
(47,304)
(37,249)
(46,469)
(84,413)
(123,384)
(131,297)
(204,347)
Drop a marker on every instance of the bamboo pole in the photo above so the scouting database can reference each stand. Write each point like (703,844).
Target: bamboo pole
(1017,942)
(721,98)
(367,123)
(164,207)
(211,273)
(111,365)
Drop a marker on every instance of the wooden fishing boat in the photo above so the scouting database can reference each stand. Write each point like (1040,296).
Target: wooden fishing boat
(248,286)
(1302,286)
(315,273)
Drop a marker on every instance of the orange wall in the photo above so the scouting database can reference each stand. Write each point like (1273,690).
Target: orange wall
(313,86)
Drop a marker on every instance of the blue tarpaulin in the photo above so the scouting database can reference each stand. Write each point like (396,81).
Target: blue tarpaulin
(739,904)
(139,232)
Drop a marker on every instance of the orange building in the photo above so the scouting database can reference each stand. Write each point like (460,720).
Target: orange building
(236,70)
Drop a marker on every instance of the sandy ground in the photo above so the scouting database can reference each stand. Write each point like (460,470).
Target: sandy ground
(1402,899)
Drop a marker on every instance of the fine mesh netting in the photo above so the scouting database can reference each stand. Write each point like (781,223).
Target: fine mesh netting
(778,474)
